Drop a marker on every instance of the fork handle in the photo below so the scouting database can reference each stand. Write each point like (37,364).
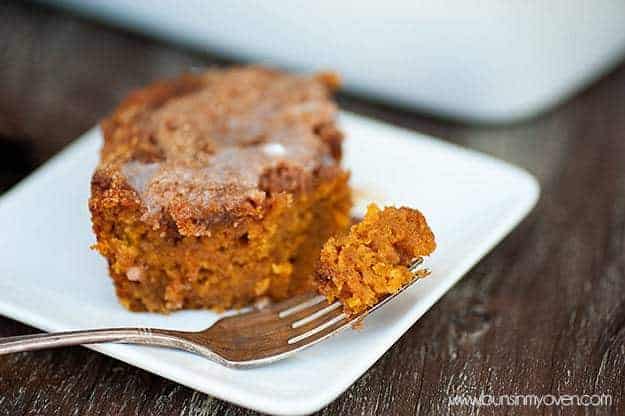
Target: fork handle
(144,336)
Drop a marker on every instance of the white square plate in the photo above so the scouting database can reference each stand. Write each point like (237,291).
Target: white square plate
(50,279)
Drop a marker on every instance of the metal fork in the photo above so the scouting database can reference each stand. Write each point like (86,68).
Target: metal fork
(262,335)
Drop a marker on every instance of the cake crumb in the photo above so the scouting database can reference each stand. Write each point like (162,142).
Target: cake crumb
(134,274)
(371,262)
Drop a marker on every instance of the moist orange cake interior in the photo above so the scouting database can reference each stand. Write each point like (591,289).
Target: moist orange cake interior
(370,262)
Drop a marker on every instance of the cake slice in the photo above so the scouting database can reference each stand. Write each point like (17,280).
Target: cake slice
(217,188)
(362,267)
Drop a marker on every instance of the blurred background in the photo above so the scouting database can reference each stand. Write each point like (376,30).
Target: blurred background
(446,65)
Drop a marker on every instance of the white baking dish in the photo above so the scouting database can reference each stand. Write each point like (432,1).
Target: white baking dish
(487,60)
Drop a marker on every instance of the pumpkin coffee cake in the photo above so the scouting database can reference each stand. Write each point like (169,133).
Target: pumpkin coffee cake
(217,188)
(370,262)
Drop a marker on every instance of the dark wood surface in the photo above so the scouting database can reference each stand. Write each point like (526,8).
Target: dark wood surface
(544,313)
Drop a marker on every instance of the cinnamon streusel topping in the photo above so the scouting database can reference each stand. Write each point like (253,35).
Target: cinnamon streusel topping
(214,147)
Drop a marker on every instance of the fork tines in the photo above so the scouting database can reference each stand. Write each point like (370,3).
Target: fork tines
(315,318)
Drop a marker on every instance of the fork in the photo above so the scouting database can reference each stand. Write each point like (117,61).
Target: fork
(263,334)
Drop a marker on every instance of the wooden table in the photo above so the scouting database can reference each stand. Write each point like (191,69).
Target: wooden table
(544,313)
